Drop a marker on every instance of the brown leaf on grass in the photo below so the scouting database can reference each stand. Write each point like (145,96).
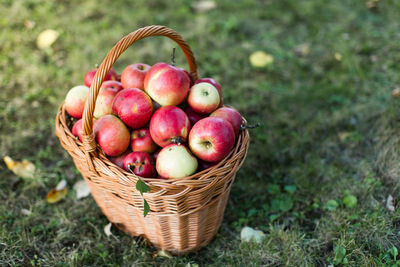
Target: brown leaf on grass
(26,212)
(58,193)
(29,24)
(24,169)
(396,92)
(82,189)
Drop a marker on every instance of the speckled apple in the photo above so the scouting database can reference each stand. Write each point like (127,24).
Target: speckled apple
(140,163)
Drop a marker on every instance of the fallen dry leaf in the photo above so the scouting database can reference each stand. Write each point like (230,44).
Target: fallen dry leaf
(302,50)
(46,38)
(29,24)
(24,169)
(26,212)
(396,92)
(343,136)
(58,193)
(107,229)
(162,253)
(204,6)
(261,59)
(390,203)
(338,56)
(82,189)
(249,234)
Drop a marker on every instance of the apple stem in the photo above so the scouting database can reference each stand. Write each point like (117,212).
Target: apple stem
(250,126)
(176,140)
(173,57)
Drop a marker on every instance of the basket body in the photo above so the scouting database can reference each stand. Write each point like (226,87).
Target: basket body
(185,213)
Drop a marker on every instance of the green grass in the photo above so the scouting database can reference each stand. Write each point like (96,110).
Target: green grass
(297,161)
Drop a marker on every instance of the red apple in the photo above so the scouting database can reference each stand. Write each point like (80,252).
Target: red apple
(204,165)
(77,129)
(192,115)
(104,102)
(175,161)
(203,98)
(166,84)
(231,115)
(75,100)
(140,163)
(112,135)
(169,125)
(187,73)
(112,84)
(155,154)
(133,106)
(214,83)
(141,141)
(111,75)
(211,139)
(119,160)
(133,76)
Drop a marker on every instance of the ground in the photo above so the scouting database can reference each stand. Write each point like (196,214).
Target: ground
(320,166)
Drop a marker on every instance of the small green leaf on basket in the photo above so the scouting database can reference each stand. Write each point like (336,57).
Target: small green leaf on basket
(142,187)
(146,207)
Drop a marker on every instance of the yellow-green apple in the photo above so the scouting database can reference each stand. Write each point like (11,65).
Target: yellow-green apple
(75,100)
(169,125)
(111,135)
(166,84)
(215,84)
(133,76)
(141,141)
(104,102)
(232,116)
(211,139)
(192,115)
(119,160)
(203,98)
(175,161)
(133,106)
(140,163)
(111,75)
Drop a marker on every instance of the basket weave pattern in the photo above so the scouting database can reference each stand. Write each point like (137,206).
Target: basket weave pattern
(185,213)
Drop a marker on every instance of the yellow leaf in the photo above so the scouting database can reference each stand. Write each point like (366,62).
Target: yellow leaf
(343,136)
(24,169)
(58,193)
(261,59)
(338,56)
(162,253)
(46,38)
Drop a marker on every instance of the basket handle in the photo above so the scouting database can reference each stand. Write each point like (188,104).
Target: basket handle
(112,56)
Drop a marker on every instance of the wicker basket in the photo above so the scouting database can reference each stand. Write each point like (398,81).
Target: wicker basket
(185,213)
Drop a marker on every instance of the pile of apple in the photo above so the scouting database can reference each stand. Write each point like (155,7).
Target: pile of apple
(151,120)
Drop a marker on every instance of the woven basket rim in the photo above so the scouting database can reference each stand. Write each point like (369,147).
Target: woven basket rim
(133,178)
